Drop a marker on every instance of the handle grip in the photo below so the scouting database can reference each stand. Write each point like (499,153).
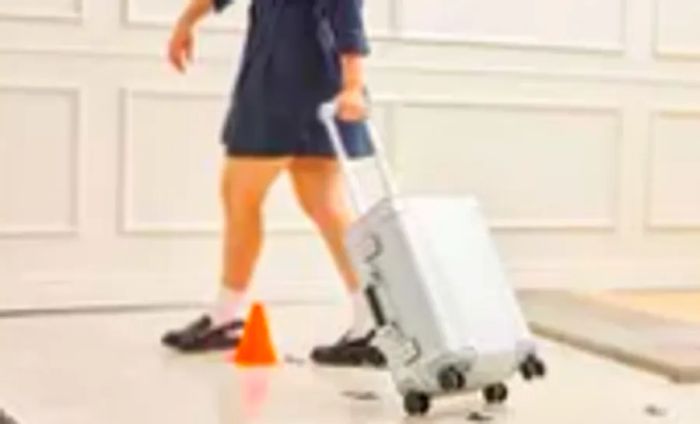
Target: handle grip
(327,114)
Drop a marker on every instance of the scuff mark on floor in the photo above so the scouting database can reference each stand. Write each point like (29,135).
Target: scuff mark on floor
(294,360)
(655,410)
(365,396)
(480,417)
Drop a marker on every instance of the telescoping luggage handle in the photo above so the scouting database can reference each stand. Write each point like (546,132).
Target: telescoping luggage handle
(327,114)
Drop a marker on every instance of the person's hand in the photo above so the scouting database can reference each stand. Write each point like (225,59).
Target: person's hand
(181,46)
(352,106)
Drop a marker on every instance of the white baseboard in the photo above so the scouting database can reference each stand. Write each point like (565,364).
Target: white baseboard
(598,277)
(76,292)
(67,291)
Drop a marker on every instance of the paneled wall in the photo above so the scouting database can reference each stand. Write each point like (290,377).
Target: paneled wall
(577,124)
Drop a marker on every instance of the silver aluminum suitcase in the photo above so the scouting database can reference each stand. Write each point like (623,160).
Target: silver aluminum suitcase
(448,321)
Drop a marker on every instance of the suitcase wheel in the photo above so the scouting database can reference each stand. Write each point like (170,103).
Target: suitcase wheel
(451,379)
(416,403)
(495,394)
(533,367)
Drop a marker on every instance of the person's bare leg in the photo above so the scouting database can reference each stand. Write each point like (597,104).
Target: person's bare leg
(319,189)
(245,182)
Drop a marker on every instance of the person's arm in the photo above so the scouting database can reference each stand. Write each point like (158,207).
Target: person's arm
(353,46)
(353,71)
(181,45)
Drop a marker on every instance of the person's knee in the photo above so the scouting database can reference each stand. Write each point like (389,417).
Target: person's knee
(243,203)
(327,215)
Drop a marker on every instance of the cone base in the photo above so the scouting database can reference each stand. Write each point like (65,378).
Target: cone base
(256,348)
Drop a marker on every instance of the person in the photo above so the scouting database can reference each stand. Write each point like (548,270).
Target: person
(298,54)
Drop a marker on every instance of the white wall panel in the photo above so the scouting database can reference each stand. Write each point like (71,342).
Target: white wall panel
(381,15)
(39,132)
(674,200)
(162,13)
(170,161)
(531,166)
(41,9)
(590,24)
(677,32)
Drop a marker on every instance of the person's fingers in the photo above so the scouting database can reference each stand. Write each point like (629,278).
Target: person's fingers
(174,56)
(180,50)
(171,54)
(189,50)
(352,110)
(174,62)
(351,113)
(343,113)
(179,62)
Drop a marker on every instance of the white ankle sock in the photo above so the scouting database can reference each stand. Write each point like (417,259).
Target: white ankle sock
(230,305)
(362,322)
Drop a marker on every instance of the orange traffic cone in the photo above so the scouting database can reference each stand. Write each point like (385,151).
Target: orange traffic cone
(256,349)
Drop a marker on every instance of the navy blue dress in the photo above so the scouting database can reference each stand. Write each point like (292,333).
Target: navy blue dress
(290,66)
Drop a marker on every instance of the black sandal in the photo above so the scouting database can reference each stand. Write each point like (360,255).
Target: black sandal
(201,336)
(6,419)
(350,352)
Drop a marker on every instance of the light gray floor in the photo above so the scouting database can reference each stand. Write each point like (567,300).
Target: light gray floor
(106,369)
